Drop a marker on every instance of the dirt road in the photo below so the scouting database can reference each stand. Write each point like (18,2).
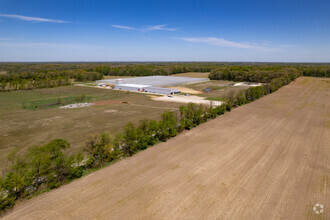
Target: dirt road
(266,160)
(186,99)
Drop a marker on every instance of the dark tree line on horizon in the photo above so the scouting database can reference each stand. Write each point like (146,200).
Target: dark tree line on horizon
(47,79)
(22,76)
(265,74)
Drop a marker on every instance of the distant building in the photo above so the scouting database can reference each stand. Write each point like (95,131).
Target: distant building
(131,87)
(149,83)
(146,88)
(154,80)
(159,90)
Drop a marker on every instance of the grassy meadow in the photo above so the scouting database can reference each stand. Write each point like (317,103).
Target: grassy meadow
(33,117)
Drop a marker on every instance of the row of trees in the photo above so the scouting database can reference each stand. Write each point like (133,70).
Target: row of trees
(152,69)
(38,75)
(265,74)
(254,93)
(79,75)
(27,84)
(33,80)
(110,68)
(46,167)
(254,73)
(323,71)
(40,168)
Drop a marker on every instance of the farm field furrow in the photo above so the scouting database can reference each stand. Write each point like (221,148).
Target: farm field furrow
(264,160)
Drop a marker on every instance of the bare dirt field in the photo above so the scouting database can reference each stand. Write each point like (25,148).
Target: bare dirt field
(186,90)
(266,160)
(186,99)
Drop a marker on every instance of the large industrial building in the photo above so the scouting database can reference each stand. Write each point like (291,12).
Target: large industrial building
(154,80)
(149,83)
(146,88)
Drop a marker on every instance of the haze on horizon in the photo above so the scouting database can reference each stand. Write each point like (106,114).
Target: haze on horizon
(262,31)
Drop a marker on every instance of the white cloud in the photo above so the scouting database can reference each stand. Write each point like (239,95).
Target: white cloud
(28,18)
(161,27)
(226,43)
(123,27)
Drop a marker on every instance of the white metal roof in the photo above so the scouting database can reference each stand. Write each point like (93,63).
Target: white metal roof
(156,80)
(133,85)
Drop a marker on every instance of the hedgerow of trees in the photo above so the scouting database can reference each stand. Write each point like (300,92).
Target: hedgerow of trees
(46,167)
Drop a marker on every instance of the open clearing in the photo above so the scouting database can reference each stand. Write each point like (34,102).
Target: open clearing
(185,90)
(266,160)
(186,99)
(24,127)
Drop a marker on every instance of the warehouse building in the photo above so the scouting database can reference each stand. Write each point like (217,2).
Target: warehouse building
(154,80)
(159,90)
(146,88)
(149,83)
(131,87)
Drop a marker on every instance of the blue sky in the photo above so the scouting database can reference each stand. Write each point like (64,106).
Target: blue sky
(195,30)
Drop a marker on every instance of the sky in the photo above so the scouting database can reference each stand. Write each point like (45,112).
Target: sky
(165,30)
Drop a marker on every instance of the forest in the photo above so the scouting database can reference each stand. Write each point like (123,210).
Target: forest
(46,79)
(265,74)
(22,76)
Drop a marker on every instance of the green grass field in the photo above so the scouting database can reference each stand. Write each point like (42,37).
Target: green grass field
(33,117)
(23,125)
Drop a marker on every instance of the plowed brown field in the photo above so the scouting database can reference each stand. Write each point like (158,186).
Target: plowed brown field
(266,160)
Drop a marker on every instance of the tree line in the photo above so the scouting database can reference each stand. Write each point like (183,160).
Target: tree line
(46,79)
(323,71)
(262,74)
(20,76)
(152,69)
(267,74)
(103,67)
(46,167)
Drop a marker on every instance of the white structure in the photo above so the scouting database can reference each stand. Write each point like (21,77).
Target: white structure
(146,88)
(131,87)
(159,90)
(149,83)
(154,80)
